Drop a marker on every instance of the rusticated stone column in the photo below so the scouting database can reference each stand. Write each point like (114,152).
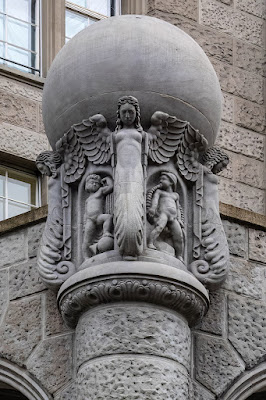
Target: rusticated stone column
(132,324)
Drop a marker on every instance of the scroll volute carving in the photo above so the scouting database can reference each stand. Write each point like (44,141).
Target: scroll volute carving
(133,193)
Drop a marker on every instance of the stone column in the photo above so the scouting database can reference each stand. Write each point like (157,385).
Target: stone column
(132,324)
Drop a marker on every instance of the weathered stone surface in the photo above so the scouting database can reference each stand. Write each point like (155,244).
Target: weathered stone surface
(241,195)
(245,278)
(250,57)
(132,377)
(68,393)
(217,365)
(53,321)
(250,171)
(24,279)
(249,115)
(3,292)
(215,44)
(51,362)
(237,23)
(236,237)
(41,128)
(21,142)
(132,329)
(21,329)
(18,111)
(200,393)
(34,237)
(13,248)
(239,82)
(247,329)
(228,108)
(213,321)
(255,7)
(241,141)
(187,8)
(20,89)
(257,245)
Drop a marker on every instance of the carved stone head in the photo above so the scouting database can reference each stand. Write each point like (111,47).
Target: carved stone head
(128,113)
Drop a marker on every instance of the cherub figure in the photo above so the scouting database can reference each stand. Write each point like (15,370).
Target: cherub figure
(48,162)
(95,218)
(165,211)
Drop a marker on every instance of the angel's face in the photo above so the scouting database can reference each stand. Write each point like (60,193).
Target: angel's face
(165,182)
(92,185)
(128,114)
(44,169)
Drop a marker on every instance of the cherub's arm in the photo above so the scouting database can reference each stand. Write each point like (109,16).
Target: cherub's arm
(107,185)
(154,203)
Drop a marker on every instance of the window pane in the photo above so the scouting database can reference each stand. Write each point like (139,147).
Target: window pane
(2,5)
(79,2)
(2,27)
(74,23)
(1,51)
(19,9)
(2,182)
(18,33)
(2,209)
(16,209)
(19,56)
(100,6)
(22,187)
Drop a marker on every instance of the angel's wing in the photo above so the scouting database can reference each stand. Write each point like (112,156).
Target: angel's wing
(191,145)
(164,135)
(89,139)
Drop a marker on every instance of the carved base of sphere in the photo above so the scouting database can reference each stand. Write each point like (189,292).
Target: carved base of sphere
(135,281)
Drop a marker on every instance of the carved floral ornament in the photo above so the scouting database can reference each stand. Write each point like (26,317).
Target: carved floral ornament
(133,194)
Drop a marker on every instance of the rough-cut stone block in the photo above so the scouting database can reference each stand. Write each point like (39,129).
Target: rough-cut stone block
(18,111)
(53,321)
(200,393)
(213,321)
(24,279)
(239,82)
(132,377)
(255,7)
(257,245)
(250,57)
(34,237)
(51,362)
(20,89)
(133,329)
(13,248)
(217,365)
(245,278)
(21,329)
(247,329)
(242,196)
(41,128)
(228,108)
(68,393)
(215,44)
(241,141)
(236,23)
(236,237)
(21,142)
(3,292)
(250,171)
(187,8)
(249,115)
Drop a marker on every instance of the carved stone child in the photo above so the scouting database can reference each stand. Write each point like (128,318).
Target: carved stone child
(165,212)
(95,220)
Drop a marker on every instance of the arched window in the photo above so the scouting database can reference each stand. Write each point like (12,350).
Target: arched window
(9,393)
(258,396)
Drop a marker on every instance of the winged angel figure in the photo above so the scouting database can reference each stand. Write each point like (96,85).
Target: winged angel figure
(128,149)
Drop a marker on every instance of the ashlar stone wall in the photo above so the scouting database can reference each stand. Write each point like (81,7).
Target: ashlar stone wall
(229,341)
(232,33)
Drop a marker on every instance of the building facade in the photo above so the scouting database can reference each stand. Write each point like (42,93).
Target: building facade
(229,346)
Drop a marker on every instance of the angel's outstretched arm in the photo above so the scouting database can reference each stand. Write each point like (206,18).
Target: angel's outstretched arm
(108,185)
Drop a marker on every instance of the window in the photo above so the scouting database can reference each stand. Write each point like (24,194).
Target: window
(82,13)
(19,192)
(19,34)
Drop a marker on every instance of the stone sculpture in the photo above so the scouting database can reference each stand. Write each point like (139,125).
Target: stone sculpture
(128,162)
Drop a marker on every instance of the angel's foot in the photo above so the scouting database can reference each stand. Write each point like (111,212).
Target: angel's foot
(151,246)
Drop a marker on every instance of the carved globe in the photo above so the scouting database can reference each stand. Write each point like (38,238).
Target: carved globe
(159,64)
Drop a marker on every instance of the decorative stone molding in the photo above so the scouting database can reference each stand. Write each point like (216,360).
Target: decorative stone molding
(137,282)
(20,379)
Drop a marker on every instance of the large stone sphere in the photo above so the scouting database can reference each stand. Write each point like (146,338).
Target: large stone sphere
(159,64)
